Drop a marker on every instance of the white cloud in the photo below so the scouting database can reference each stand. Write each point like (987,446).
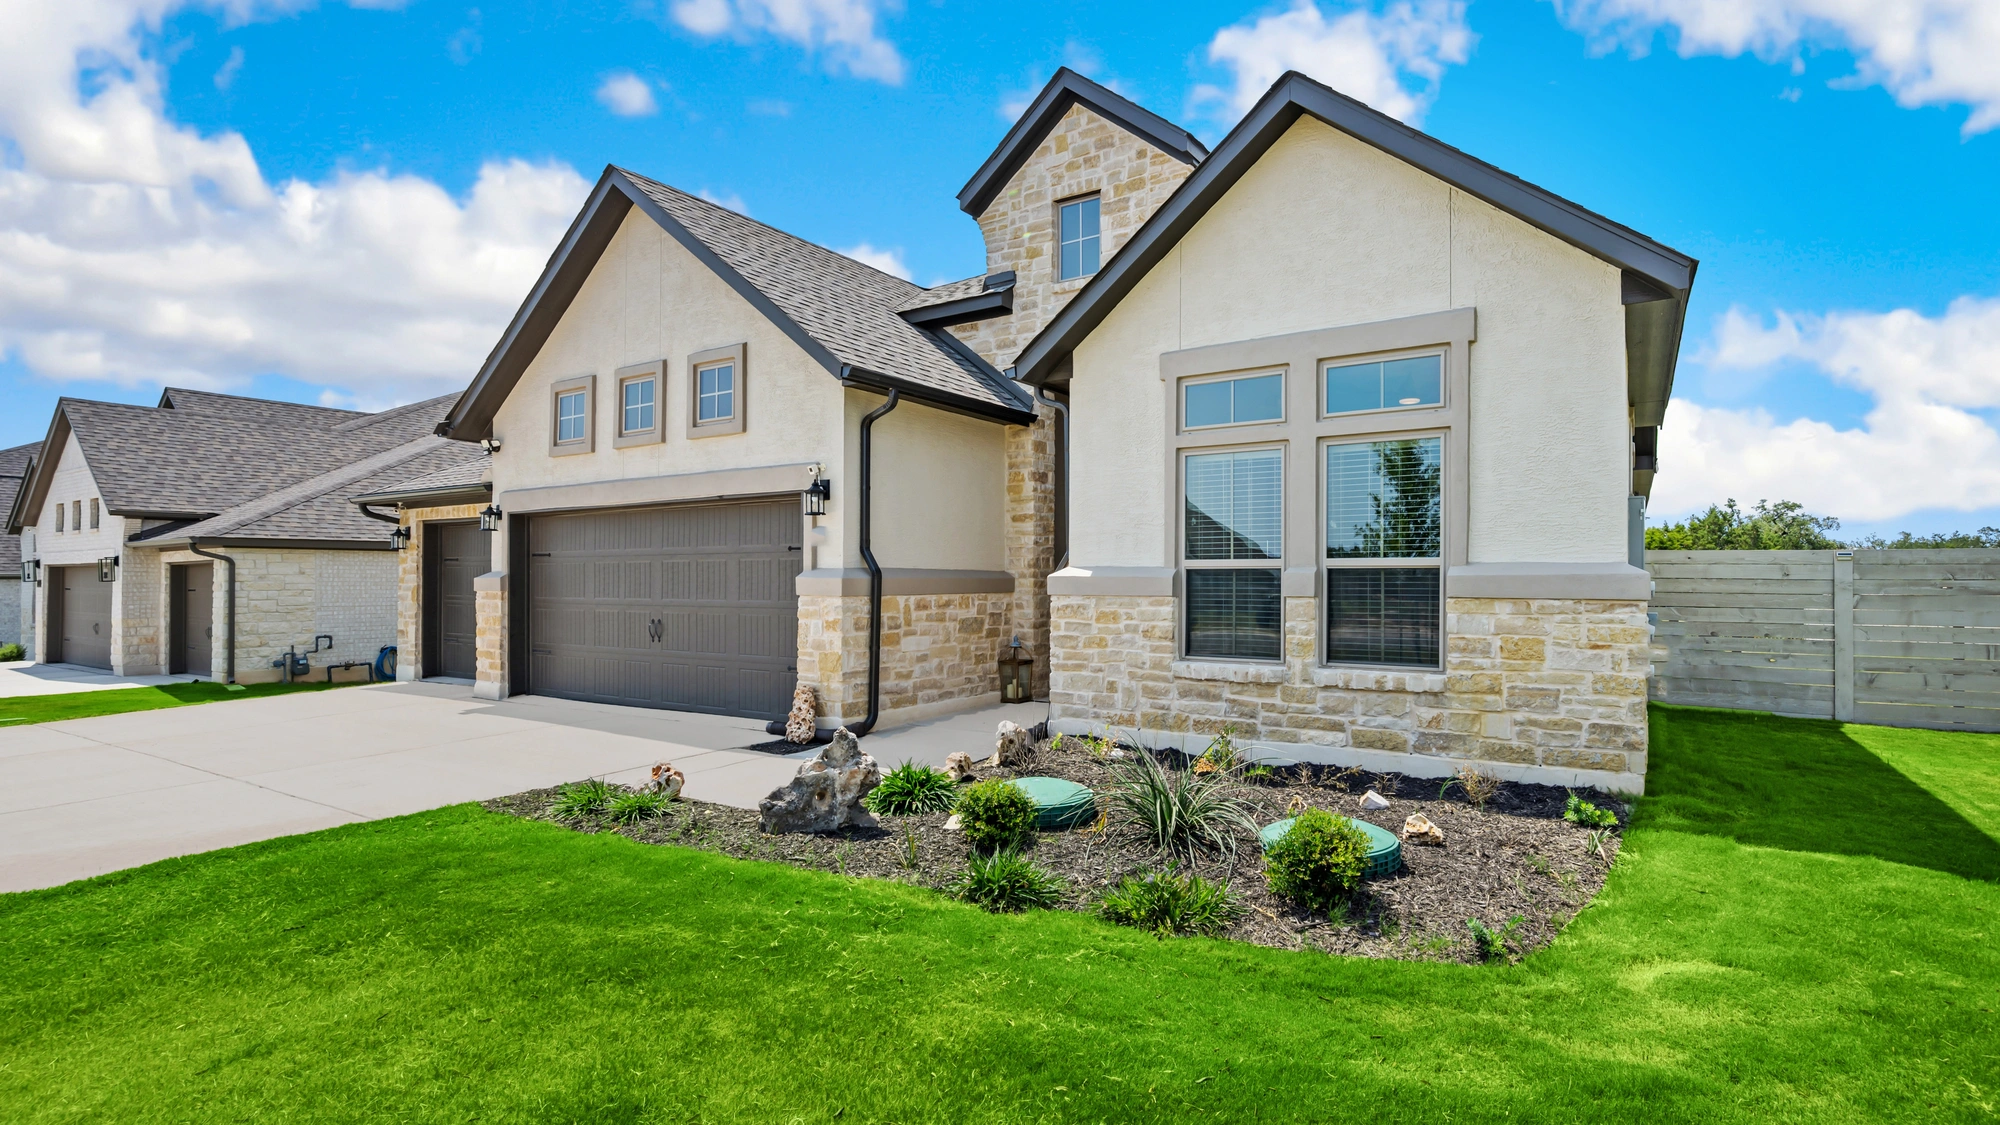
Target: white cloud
(225,76)
(842,31)
(888,261)
(1925,443)
(1392,59)
(627,95)
(139,251)
(1924,52)
(732,201)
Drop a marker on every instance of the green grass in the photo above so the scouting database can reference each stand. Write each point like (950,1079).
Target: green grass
(21,710)
(1799,930)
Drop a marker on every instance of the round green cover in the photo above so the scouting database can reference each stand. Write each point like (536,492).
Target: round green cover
(1058,803)
(1385,852)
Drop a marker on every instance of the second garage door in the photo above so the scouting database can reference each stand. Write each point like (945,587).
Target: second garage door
(692,607)
(86,617)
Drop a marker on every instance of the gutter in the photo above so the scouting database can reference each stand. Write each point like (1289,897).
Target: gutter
(229,618)
(874,568)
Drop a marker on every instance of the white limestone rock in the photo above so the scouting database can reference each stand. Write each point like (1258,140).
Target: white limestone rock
(1373,800)
(1013,747)
(959,766)
(799,724)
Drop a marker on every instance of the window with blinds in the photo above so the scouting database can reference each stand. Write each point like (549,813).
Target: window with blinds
(1232,549)
(1384,516)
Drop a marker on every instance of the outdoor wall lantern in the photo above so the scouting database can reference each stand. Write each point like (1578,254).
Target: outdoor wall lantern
(816,495)
(107,568)
(1017,667)
(29,567)
(399,538)
(489,518)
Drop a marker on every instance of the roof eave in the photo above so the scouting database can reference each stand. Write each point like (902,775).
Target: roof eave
(879,383)
(429,497)
(964,310)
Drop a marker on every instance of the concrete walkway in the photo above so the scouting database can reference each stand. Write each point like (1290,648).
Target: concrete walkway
(19,677)
(87,796)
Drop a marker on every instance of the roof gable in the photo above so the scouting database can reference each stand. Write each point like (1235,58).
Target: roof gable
(1657,277)
(1066,89)
(840,312)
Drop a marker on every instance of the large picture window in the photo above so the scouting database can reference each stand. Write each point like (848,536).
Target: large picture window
(1232,552)
(1384,540)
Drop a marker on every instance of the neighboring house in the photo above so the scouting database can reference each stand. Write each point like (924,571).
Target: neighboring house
(146,520)
(1333,444)
(15,608)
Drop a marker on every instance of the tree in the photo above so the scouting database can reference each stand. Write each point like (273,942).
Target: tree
(1984,537)
(1783,526)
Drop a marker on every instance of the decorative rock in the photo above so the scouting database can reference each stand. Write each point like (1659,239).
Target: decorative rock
(1014,745)
(800,724)
(959,766)
(825,796)
(1374,800)
(666,781)
(1418,828)
(951,824)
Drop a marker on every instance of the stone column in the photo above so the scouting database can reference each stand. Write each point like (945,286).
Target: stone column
(490,594)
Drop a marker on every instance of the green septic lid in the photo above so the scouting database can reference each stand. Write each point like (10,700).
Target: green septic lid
(1058,803)
(1385,852)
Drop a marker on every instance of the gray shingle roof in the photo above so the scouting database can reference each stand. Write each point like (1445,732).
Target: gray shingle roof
(939,294)
(848,307)
(469,472)
(13,463)
(262,410)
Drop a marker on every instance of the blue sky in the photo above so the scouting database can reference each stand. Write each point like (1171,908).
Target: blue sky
(1824,183)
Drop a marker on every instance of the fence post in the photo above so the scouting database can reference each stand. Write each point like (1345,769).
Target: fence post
(1843,636)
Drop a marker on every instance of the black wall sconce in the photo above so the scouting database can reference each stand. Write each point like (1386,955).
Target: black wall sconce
(816,495)
(107,568)
(490,517)
(399,538)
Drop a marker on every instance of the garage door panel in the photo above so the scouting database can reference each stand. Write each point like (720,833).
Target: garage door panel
(769,635)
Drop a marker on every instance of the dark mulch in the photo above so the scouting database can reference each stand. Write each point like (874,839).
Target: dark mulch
(1517,856)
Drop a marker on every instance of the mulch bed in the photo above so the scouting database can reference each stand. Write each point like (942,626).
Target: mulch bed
(1517,856)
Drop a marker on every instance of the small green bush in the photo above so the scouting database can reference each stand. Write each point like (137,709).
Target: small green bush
(1579,811)
(634,805)
(1168,903)
(1492,941)
(12,652)
(910,789)
(579,799)
(1318,862)
(1006,882)
(1179,812)
(996,815)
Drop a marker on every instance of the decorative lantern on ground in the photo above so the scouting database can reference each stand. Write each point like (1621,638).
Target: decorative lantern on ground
(1017,673)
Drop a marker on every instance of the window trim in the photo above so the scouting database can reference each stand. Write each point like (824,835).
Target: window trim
(1183,564)
(1437,563)
(588,444)
(1444,390)
(1180,398)
(1055,258)
(734,424)
(1306,429)
(656,370)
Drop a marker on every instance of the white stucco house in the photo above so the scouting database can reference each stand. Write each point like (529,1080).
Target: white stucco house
(1334,436)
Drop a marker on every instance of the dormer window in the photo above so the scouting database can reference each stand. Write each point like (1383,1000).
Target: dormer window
(1077,254)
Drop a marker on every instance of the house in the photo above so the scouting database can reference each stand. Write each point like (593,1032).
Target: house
(14,608)
(1334,437)
(213,535)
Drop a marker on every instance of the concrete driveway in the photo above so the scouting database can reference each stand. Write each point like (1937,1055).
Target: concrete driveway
(87,796)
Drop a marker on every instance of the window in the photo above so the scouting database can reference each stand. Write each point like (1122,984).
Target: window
(570,405)
(76,515)
(1233,402)
(93,513)
(1077,254)
(1232,547)
(1383,552)
(715,392)
(1384,384)
(638,405)
(61,508)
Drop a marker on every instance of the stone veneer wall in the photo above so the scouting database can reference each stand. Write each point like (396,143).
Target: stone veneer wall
(1031,538)
(489,677)
(1552,691)
(937,649)
(283,598)
(410,585)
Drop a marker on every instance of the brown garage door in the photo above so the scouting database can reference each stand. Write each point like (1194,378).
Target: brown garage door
(462,552)
(691,607)
(86,618)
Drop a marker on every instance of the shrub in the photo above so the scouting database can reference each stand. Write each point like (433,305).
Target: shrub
(579,799)
(1221,756)
(1579,811)
(910,789)
(1006,882)
(1168,903)
(634,805)
(1491,941)
(1318,863)
(12,652)
(1479,786)
(996,815)
(1179,813)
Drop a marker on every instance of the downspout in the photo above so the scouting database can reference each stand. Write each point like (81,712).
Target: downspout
(229,613)
(874,568)
(1042,396)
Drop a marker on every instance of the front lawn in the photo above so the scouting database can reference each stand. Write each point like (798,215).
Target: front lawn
(21,710)
(1801,927)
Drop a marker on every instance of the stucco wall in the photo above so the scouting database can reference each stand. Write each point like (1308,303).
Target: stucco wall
(940,489)
(1326,231)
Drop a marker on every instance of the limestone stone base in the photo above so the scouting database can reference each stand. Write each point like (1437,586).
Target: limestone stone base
(1532,690)
(937,650)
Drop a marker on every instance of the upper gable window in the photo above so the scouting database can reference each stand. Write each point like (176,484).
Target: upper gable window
(570,406)
(717,395)
(716,385)
(1384,384)
(1233,401)
(572,416)
(640,388)
(76,514)
(93,513)
(1078,252)
(61,510)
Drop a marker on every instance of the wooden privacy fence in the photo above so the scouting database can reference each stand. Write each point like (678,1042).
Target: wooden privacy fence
(1901,638)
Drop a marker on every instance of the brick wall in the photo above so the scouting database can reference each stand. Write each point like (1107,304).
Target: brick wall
(937,649)
(286,597)
(1553,691)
